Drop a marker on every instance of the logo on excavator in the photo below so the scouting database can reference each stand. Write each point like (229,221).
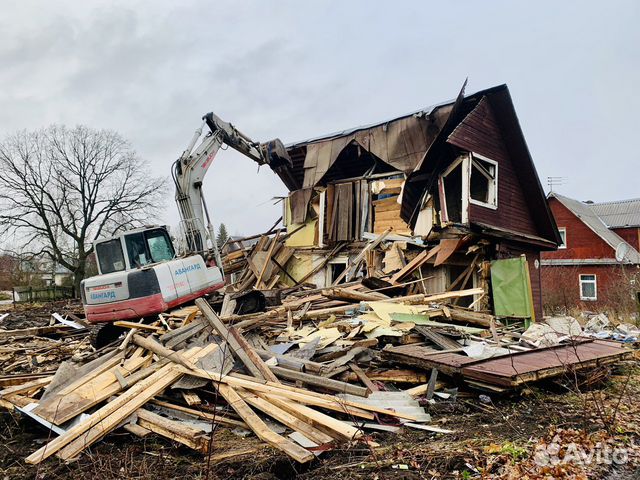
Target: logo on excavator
(103,295)
(209,159)
(188,268)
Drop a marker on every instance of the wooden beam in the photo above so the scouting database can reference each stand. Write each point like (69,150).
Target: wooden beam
(238,344)
(363,377)
(322,382)
(231,339)
(262,431)
(285,417)
(113,413)
(319,420)
(173,430)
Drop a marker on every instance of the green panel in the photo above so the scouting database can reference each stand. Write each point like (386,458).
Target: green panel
(511,288)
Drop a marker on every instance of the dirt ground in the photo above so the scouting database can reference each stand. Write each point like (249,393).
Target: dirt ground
(544,431)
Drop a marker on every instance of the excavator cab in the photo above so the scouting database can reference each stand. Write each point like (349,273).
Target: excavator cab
(140,275)
(134,249)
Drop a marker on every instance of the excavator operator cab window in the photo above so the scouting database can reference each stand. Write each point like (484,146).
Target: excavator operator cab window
(147,247)
(110,256)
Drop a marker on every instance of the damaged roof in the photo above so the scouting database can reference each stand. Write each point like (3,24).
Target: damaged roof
(590,218)
(399,142)
(620,214)
(414,145)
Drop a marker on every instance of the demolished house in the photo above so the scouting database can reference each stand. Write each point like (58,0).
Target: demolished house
(408,262)
(457,176)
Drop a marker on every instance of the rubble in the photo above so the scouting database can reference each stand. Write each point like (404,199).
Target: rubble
(305,369)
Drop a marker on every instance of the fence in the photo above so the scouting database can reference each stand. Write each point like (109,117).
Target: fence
(41,294)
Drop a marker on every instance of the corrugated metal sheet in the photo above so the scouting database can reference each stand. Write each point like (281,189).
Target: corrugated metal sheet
(587,214)
(625,213)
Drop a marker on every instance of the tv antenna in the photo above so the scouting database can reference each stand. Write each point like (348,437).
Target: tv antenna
(556,181)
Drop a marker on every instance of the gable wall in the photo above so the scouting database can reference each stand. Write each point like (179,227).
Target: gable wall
(630,235)
(582,242)
(479,132)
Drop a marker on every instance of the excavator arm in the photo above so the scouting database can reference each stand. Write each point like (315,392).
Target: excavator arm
(192,166)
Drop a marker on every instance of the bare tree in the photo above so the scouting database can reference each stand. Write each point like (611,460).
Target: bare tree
(61,188)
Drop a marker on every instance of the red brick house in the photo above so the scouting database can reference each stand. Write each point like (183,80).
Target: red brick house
(622,217)
(594,268)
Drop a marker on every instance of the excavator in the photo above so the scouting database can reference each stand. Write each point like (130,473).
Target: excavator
(140,274)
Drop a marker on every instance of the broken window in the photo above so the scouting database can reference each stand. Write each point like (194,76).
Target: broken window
(335,268)
(484,181)
(588,287)
(452,189)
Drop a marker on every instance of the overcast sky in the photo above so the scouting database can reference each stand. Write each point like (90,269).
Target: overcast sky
(294,70)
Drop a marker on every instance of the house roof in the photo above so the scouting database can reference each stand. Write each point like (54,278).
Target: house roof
(399,142)
(620,214)
(590,218)
(425,174)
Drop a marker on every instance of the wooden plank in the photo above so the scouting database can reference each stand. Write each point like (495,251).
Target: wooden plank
(137,430)
(138,326)
(265,372)
(173,430)
(285,417)
(329,384)
(327,423)
(64,406)
(133,398)
(153,346)
(267,260)
(363,377)
(191,398)
(26,387)
(262,431)
(232,340)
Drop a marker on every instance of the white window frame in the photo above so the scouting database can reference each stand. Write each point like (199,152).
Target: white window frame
(464,160)
(493,184)
(341,260)
(581,281)
(563,237)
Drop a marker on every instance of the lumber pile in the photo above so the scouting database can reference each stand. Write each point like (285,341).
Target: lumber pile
(306,369)
(156,377)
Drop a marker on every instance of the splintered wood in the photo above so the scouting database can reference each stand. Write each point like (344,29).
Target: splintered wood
(145,385)
(303,367)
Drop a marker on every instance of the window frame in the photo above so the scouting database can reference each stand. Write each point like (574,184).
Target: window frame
(582,281)
(461,161)
(340,260)
(493,183)
(125,260)
(563,238)
(147,247)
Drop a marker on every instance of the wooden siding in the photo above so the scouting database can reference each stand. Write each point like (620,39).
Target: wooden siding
(479,132)
(631,235)
(581,241)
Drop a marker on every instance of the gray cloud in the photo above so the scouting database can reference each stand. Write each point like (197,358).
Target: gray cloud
(299,69)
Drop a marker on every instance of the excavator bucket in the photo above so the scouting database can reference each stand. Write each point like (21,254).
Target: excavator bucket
(276,154)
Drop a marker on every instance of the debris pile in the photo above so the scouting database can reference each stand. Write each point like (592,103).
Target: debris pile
(303,368)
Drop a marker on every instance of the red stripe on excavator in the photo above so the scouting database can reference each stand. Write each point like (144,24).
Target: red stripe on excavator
(140,307)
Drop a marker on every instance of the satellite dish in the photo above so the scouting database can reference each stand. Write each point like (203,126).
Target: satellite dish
(621,251)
